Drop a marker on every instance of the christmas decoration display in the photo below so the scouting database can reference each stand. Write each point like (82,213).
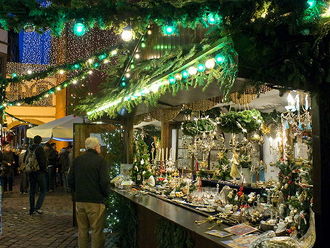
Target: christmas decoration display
(141,166)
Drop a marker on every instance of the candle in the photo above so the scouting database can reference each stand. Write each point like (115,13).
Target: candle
(163,154)
(166,155)
(158,154)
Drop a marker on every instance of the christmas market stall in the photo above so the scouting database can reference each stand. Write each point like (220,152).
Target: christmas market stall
(212,115)
(223,163)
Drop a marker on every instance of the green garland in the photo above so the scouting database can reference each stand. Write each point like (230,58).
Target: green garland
(78,67)
(121,216)
(117,14)
(125,223)
(170,235)
(198,126)
(237,122)
(149,71)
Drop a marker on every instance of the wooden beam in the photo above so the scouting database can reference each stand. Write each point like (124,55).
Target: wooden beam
(321,162)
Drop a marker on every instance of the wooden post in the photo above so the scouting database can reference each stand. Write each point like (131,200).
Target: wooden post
(165,134)
(321,163)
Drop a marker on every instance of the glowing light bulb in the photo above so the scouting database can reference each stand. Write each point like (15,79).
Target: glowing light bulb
(114,52)
(79,29)
(219,58)
(178,76)
(61,72)
(185,74)
(149,32)
(58,88)
(201,67)
(326,13)
(106,61)
(192,70)
(74,81)
(29,72)
(172,80)
(137,56)
(127,34)
(210,63)
(90,61)
(311,3)
(127,75)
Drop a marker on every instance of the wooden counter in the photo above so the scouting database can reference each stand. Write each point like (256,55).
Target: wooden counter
(150,209)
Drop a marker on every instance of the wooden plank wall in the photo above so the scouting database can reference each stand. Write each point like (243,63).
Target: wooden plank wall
(81,131)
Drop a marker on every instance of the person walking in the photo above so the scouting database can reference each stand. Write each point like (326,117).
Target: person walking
(90,181)
(24,185)
(51,155)
(64,165)
(8,171)
(37,178)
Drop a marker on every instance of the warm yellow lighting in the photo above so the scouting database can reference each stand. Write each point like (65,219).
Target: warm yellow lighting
(127,75)
(192,70)
(29,72)
(90,61)
(178,76)
(61,72)
(326,13)
(74,81)
(90,72)
(210,63)
(127,35)
(106,61)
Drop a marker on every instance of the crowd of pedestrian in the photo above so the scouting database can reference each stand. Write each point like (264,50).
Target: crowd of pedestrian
(13,164)
(43,169)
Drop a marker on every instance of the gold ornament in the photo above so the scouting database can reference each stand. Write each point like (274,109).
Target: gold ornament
(234,173)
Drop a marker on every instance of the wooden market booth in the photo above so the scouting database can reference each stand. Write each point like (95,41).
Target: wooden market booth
(168,107)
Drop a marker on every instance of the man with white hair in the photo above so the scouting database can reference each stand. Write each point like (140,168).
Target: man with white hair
(89,179)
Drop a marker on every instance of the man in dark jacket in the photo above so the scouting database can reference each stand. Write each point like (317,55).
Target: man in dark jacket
(90,181)
(37,178)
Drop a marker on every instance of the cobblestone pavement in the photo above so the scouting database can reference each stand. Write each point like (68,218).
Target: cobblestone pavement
(51,229)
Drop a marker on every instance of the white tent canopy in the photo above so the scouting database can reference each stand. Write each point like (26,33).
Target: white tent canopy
(58,129)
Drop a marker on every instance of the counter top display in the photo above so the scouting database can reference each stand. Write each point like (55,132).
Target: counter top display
(192,221)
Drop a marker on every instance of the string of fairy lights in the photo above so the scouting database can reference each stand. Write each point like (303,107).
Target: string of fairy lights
(81,69)
(321,8)
(181,75)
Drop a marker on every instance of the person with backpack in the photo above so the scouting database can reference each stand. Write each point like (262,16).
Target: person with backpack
(36,167)
(24,185)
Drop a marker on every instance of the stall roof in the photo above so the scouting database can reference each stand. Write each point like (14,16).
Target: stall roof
(59,129)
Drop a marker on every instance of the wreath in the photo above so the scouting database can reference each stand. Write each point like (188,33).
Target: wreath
(237,122)
(198,126)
